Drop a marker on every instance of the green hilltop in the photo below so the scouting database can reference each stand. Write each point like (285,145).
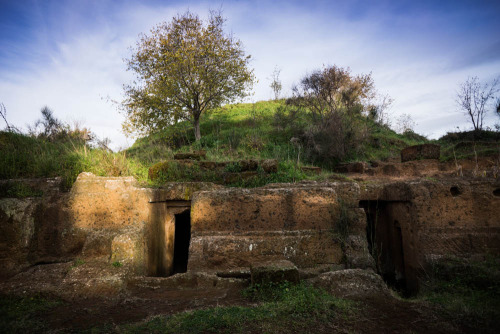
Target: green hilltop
(231,133)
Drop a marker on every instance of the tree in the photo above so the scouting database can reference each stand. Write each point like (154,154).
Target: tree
(48,127)
(334,90)
(405,124)
(334,100)
(184,68)
(276,83)
(474,98)
(497,107)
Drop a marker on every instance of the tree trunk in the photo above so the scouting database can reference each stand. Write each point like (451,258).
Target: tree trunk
(197,133)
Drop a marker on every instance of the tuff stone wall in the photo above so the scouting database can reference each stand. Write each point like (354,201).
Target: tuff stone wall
(232,228)
(310,224)
(105,218)
(438,219)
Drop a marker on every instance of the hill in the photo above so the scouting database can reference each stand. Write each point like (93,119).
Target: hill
(255,131)
(236,132)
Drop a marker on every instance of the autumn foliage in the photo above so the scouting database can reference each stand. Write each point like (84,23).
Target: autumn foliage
(183,68)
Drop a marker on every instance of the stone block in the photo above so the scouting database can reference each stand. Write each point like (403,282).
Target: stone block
(264,209)
(419,152)
(274,272)
(357,167)
(129,248)
(269,165)
(352,283)
(248,165)
(357,254)
(391,170)
(208,165)
(225,250)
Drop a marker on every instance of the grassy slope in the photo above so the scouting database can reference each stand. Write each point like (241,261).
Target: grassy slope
(25,157)
(234,132)
(469,143)
(243,131)
(468,292)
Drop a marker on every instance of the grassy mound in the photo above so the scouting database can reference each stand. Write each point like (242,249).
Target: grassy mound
(469,144)
(261,130)
(251,131)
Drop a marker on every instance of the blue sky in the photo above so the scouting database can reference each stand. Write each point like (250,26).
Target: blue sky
(68,55)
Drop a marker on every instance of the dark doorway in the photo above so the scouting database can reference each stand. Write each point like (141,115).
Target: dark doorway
(181,243)
(385,240)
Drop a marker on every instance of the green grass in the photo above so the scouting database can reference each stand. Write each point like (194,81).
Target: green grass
(22,315)
(22,156)
(231,133)
(246,131)
(282,308)
(77,263)
(18,190)
(468,144)
(468,292)
(117,264)
(287,172)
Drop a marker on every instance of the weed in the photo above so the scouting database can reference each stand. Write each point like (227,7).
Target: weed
(117,264)
(233,167)
(467,291)
(18,190)
(77,263)
(283,307)
(19,315)
(343,225)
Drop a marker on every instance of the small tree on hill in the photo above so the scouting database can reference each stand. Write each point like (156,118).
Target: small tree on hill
(474,98)
(3,114)
(335,100)
(405,124)
(334,90)
(497,107)
(276,83)
(184,68)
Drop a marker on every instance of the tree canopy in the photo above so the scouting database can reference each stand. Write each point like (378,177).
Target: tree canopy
(333,90)
(333,102)
(183,68)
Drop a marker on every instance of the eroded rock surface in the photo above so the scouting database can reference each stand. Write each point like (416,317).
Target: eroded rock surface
(396,226)
(419,152)
(352,283)
(274,272)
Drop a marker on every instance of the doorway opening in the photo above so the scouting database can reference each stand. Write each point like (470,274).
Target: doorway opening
(386,241)
(181,241)
(169,236)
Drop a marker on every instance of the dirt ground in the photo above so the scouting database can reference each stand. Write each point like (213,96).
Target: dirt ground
(372,314)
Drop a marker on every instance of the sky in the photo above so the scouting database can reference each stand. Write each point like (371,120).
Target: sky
(69,55)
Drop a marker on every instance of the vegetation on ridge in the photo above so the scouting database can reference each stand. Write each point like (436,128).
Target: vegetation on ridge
(233,132)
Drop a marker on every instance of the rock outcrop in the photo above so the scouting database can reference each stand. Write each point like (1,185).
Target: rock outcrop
(420,152)
(398,227)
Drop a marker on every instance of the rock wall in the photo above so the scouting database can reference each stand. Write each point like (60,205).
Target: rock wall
(404,225)
(104,218)
(436,219)
(232,228)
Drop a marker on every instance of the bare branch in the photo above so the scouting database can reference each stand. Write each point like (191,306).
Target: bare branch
(474,98)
